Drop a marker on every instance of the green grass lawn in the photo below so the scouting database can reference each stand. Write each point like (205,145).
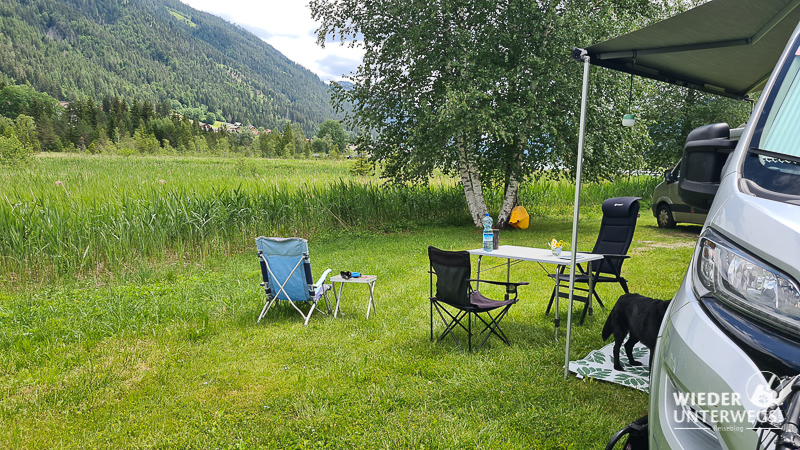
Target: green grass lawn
(169,355)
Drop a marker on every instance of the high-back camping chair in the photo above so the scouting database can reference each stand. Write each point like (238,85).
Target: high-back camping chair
(454,292)
(613,242)
(286,275)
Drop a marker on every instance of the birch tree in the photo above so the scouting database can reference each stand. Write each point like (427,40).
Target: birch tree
(481,88)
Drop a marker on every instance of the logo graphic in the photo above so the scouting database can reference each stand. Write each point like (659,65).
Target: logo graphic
(760,389)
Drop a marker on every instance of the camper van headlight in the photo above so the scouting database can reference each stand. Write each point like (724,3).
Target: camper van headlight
(739,279)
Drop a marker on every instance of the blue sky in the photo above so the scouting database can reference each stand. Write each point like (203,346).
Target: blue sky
(287,26)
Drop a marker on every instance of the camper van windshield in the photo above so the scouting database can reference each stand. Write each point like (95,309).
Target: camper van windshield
(774,159)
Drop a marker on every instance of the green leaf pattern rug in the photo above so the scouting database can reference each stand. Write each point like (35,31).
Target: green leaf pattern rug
(599,364)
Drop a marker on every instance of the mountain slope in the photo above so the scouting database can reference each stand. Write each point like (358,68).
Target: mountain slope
(156,50)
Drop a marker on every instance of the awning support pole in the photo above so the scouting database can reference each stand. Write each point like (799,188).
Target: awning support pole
(574,247)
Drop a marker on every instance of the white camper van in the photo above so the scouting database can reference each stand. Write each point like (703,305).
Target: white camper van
(733,329)
(725,369)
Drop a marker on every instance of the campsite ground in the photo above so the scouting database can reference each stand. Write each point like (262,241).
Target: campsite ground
(166,353)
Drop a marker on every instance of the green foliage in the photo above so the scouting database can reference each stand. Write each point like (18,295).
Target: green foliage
(199,145)
(5,123)
(223,146)
(492,82)
(157,130)
(18,140)
(334,131)
(242,138)
(12,150)
(321,146)
(126,148)
(670,113)
(362,167)
(21,99)
(289,144)
(265,145)
(25,130)
(146,143)
(277,144)
(289,149)
(299,141)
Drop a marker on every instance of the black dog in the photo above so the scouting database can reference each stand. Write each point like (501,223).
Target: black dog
(639,315)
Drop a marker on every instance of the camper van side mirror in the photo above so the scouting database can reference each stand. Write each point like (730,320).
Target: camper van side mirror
(706,151)
(668,176)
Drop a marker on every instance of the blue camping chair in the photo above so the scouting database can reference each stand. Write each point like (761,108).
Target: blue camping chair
(286,274)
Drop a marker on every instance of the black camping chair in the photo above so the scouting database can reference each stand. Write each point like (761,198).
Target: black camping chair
(613,242)
(454,292)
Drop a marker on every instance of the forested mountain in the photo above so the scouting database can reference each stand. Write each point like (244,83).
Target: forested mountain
(156,51)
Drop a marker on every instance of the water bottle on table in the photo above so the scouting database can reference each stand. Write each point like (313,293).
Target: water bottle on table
(488,235)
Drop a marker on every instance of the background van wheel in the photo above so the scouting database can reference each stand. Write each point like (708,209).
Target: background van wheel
(664,217)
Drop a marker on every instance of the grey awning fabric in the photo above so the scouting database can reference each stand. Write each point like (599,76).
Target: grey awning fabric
(724,47)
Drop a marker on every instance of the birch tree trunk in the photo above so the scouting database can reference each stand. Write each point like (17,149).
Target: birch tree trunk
(510,200)
(511,197)
(471,180)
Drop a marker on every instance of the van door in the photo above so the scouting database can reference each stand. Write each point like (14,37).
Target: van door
(681,212)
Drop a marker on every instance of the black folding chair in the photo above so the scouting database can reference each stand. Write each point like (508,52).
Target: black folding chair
(455,300)
(613,242)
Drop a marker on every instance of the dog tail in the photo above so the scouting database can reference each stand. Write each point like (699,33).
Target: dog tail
(608,328)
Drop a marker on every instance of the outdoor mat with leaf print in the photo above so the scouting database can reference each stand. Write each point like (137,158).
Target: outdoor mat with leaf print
(599,364)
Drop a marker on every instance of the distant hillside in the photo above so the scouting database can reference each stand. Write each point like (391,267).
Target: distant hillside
(156,50)
(346,85)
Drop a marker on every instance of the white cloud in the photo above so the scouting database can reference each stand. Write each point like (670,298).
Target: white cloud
(287,26)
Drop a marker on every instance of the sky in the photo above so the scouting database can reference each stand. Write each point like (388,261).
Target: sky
(287,26)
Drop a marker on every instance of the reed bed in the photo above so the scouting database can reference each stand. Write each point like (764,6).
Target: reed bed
(71,214)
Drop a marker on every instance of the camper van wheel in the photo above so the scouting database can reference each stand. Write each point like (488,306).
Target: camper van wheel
(664,217)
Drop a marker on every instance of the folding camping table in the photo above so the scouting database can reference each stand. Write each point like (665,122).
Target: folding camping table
(516,254)
(369,280)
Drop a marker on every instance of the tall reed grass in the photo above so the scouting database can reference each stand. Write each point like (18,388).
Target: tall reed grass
(76,214)
(547,198)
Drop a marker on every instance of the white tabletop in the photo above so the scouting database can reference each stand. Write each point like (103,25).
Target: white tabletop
(542,255)
(361,279)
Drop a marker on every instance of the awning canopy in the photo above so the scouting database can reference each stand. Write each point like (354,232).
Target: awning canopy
(723,47)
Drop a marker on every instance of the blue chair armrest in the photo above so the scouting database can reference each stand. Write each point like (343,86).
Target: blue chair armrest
(322,279)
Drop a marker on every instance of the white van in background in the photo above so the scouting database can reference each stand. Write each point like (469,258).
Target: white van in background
(668,207)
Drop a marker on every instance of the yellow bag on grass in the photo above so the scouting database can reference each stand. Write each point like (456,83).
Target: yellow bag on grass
(519,218)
